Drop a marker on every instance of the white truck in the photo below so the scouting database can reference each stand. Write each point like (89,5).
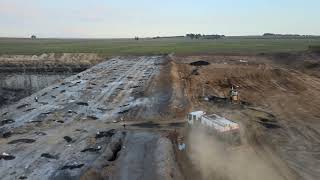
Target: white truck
(214,124)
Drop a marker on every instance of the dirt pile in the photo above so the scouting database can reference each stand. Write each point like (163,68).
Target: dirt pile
(199,63)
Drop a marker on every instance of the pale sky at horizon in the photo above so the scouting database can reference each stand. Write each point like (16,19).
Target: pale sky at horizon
(147,18)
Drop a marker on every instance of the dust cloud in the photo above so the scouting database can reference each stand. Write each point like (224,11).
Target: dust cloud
(217,160)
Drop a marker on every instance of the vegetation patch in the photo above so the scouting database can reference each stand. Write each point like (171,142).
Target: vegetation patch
(315,49)
(213,44)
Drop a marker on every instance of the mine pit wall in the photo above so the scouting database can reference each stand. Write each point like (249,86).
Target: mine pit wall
(23,75)
(15,86)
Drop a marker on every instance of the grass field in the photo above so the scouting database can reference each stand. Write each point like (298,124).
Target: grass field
(181,46)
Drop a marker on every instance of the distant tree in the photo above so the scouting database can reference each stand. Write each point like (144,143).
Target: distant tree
(191,35)
(33,37)
(136,38)
(215,36)
(268,34)
(203,36)
(197,36)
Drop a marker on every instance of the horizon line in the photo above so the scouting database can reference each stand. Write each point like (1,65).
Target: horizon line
(148,37)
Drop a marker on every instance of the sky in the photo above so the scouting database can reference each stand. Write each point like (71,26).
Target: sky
(148,18)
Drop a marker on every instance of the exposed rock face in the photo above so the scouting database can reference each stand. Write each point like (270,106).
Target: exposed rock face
(66,62)
(23,75)
(14,87)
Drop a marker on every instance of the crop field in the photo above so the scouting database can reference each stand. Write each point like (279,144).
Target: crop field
(149,46)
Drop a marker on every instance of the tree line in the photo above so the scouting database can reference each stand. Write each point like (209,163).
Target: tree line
(203,36)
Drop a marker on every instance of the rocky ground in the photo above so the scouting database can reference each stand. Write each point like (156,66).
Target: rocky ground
(71,129)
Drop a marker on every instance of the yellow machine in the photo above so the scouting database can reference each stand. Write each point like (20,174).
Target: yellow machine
(234,95)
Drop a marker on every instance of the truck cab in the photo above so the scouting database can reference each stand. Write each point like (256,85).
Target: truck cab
(195,117)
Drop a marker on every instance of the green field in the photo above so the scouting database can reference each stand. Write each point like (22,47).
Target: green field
(181,46)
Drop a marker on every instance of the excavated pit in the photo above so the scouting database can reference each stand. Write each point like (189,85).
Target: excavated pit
(16,86)
(23,75)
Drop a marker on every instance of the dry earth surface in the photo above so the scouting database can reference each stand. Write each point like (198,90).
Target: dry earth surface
(74,129)
(279,112)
